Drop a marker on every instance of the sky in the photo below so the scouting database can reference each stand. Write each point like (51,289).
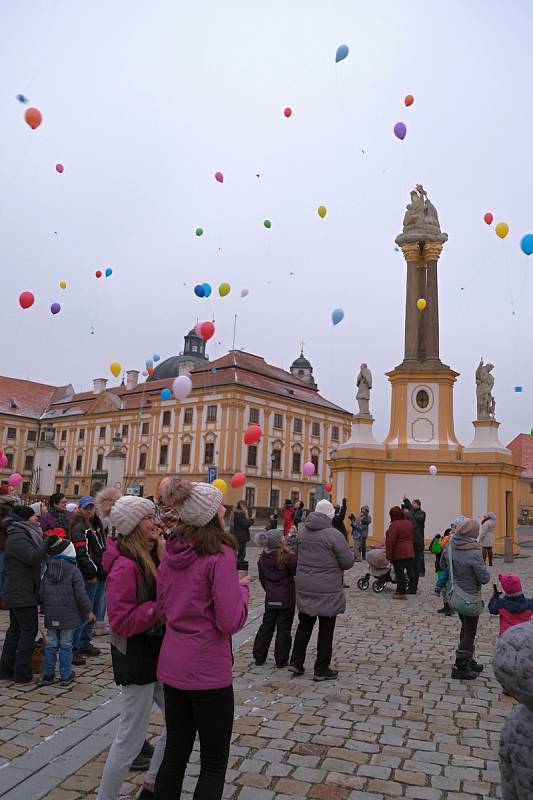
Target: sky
(143,102)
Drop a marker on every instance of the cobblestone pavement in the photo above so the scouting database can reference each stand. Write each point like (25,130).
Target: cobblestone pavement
(393,725)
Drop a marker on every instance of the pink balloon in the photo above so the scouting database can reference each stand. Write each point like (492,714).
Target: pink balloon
(309,468)
(219,177)
(59,168)
(3,461)
(15,479)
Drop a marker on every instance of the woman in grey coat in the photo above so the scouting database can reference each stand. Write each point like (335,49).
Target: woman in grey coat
(513,667)
(323,556)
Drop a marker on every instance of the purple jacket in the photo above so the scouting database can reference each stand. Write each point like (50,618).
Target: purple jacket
(277,583)
(202,603)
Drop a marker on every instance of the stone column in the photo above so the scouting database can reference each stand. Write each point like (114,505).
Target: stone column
(115,464)
(46,462)
(421,327)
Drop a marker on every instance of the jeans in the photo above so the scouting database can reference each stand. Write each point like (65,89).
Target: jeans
(279,620)
(324,647)
(58,640)
(84,633)
(402,566)
(487,552)
(18,644)
(241,552)
(99,606)
(210,713)
(465,651)
(137,703)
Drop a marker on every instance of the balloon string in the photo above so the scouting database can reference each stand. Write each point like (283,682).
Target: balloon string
(506,262)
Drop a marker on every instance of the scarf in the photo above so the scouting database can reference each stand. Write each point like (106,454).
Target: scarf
(62,518)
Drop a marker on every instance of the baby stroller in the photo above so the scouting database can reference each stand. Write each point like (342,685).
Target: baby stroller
(380,569)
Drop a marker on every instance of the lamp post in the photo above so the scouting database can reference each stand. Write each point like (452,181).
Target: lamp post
(272,462)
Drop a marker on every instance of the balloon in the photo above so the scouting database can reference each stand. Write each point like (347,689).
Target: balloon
(33,117)
(224,289)
(197,330)
(3,461)
(502,229)
(237,481)
(322,211)
(328,487)
(14,479)
(108,272)
(309,468)
(433,470)
(221,485)
(26,299)
(527,244)
(55,308)
(409,100)
(219,177)
(115,368)
(59,168)
(98,273)
(207,330)
(337,315)
(199,231)
(252,434)
(199,290)
(145,373)
(488,218)
(421,304)
(288,112)
(181,387)
(518,388)
(22,99)
(150,370)
(166,394)
(245,292)
(267,223)
(342,52)
(207,289)
(62,284)
(213,370)
(149,363)
(400,130)
(157,357)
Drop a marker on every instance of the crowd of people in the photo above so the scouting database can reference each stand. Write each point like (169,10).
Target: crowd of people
(167,577)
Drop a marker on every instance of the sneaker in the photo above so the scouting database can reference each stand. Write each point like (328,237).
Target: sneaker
(46,680)
(67,681)
(258,663)
(282,664)
(463,673)
(295,669)
(90,650)
(23,681)
(328,675)
(78,660)
(140,764)
(147,750)
(475,667)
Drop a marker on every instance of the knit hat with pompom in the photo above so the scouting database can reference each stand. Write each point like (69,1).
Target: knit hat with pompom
(122,511)
(196,503)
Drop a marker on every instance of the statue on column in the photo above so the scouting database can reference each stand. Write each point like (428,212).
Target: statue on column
(364,385)
(486,404)
(421,216)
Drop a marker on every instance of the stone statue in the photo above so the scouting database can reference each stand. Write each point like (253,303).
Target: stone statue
(486,404)
(364,385)
(421,218)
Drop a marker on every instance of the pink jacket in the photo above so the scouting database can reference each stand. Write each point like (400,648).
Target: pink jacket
(126,616)
(203,604)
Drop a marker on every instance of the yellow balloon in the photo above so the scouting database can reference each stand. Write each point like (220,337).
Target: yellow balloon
(224,289)
(502,229)
(115,368)
(221,485)
(63,284)
(421,304)
(322,211)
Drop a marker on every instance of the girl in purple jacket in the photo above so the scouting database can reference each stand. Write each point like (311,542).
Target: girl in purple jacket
(202,602)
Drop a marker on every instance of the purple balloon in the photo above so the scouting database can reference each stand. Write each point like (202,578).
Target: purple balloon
(400,130)
(55,308)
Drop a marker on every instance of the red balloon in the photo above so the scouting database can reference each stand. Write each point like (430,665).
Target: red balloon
(33,117)
(253,434)
(98,273)
(238,480)
(207,330)
(409,100)
(287,111)
(328,487)
(26,299)
(149,370)
(488,218)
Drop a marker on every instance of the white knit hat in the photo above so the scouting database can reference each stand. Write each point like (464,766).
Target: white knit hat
(122,512)
(325,507)
(196,503)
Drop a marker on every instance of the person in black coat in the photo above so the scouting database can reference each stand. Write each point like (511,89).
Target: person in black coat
(240,526)
(415,514)
(338,519)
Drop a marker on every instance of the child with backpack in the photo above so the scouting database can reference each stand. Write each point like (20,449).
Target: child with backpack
(513,607)
(277,568)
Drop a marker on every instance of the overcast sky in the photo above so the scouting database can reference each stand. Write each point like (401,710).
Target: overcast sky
(144,101)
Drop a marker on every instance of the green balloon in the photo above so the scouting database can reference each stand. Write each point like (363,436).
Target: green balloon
(199,231)
(267,223)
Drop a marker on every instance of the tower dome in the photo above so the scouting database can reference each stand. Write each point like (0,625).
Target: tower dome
(302,369)
(193,356)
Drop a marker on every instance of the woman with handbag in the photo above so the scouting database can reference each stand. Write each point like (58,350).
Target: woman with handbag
(466,574)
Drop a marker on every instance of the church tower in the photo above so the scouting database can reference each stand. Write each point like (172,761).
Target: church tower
(302,369)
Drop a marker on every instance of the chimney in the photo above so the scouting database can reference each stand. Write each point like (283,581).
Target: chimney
(132,378)
(99,385)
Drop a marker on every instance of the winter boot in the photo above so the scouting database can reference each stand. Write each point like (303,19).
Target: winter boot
(461,670)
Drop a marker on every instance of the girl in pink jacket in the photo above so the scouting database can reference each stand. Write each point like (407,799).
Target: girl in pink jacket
(202,602)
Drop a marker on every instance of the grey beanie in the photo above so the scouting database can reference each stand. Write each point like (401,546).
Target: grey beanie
(196,503)
(271,540)
(122,512)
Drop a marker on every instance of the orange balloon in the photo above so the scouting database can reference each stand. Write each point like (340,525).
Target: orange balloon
(33,117)
(409,100)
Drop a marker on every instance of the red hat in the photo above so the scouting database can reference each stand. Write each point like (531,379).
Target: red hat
(59,532)
(511,584)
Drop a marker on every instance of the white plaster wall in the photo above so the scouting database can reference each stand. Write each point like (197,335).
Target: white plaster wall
(480,494)
(431,413)
(339,487)
(440,496)
(367,494)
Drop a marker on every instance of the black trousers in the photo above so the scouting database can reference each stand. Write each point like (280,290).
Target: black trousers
(18,644)
(210,713)
(362,547)
(279,620)
(241,553)
(467,637)
(324,647)
(401,567)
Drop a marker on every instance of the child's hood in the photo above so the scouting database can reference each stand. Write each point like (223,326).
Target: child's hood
(57,570)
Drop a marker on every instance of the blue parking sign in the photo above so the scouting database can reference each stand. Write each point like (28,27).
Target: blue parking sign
(212,473)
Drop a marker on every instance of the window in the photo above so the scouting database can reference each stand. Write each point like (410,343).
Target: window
(274,499)
(32,436)
(142,460)
(314,460)
(145,430)
(312,501)
(81,434)
(211,413)
(78,463)
(28,463)
(58,488)
(315,429)
(63,436)
(76,489)
(296,462)
(102,432)
(335,432)
(163,455)
(9,457)
(254,416)
(252,455)
(278,421)
(11,433)
(276,459)
(209,453)
(187,416)
(185,453)
(25,487)
(295,496)
(166,418)
(422,399)
(195,348)
(61,463)
(249,497)
(42,436)
(99,462)
(125,431)
(297,427)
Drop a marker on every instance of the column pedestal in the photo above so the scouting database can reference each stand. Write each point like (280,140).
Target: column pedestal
(486,439)
(362,435)
(45,467)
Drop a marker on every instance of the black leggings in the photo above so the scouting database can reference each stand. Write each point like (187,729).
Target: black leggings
(210,713)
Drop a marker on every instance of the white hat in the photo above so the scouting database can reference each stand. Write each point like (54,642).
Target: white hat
(38,508)
(325,507)
(196,503)
(122,512)
(71,507)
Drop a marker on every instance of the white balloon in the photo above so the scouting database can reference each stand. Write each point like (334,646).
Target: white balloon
(244,292)
(433,470)
(181,387)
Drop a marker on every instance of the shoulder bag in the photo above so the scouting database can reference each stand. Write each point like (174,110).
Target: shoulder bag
(471,605)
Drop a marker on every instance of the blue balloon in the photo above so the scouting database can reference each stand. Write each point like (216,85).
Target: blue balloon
(518,388)
(157,357)
(108,272)
(149,363)
(213,370)
(337,315)
(342,52)
(199,290)
(207,289)
(527,244)
(166,394)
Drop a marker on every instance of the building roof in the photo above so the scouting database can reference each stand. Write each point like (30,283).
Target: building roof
(301,362)
(28,398)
